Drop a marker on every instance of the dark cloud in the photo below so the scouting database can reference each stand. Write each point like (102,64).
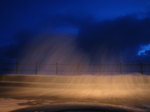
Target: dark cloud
(64,23)
(58,20)
(120,38)
(117,38)
(12,51)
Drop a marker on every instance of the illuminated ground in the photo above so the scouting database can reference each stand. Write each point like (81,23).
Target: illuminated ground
(119,90)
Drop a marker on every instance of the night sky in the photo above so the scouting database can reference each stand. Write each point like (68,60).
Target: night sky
(118,28)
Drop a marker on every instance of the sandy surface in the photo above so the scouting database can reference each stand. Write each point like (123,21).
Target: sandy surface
(8,104)
(17,92)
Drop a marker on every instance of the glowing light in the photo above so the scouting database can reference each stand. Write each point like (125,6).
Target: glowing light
(101,87)
(143,50)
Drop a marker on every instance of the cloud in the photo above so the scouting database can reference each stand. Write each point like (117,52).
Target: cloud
(144,49)
(12,50)
(121,37)
(65,22)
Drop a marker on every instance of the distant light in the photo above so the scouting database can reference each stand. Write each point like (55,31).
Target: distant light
(143,50)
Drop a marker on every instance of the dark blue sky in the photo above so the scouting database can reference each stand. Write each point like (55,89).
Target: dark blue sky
(123,24)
